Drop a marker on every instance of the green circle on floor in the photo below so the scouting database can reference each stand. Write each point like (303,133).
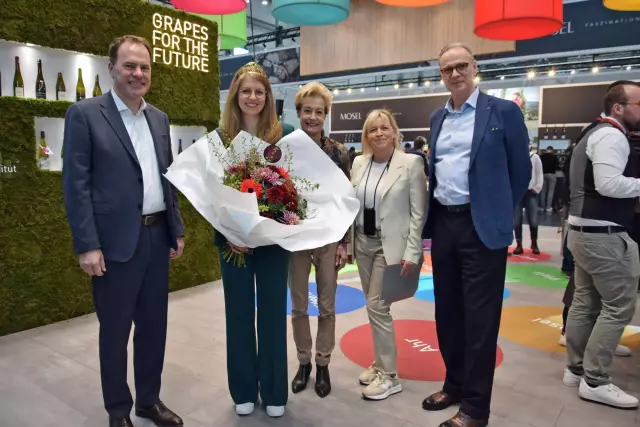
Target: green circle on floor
(542,276)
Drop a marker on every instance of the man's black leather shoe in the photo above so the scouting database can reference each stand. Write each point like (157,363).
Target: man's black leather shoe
(120,422)
(299,382)
(160,415)
(323,381)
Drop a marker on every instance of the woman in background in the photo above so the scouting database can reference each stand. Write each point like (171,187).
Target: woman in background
(251,371)
(392,189)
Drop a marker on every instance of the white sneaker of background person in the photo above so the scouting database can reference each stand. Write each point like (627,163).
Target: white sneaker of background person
(383,386)
(609,394)
(621,350)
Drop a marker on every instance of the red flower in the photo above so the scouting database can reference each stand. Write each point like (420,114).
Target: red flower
(292,205)
(250,186)
(283,173)
(275,195)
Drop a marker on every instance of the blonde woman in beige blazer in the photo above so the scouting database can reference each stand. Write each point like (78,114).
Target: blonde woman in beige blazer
(391,187)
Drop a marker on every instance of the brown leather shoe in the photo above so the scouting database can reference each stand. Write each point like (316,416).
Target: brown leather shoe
(463,420)
(438,401)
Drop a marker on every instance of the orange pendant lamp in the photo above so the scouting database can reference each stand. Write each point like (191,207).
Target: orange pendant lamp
(623,5)
(412,3)
(517,19)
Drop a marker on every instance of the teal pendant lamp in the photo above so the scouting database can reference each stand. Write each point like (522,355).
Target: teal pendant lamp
(310,12)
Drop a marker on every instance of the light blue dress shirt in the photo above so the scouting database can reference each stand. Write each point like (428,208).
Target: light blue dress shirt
(453,153)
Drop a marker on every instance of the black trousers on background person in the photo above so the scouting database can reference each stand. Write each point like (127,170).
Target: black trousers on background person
(136,291)
(469,288)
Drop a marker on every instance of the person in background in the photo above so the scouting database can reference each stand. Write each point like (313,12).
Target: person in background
(313,102)
(407,147)
(550,165)
(126,226)
(604,192)
(352,155)
(391,187)
(480,170)
(251,107)
(418,149)
(530,204)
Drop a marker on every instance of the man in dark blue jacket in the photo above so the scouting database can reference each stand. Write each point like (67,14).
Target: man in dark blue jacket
(479,171)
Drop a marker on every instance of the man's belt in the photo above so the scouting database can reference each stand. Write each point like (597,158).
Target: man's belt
(456,208)
(599,229)
(153,218)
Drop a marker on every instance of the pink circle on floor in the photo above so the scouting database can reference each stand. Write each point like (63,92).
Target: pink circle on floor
(419,355)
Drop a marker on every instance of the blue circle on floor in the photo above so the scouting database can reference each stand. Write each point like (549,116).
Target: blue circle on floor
(347,299)
(425,289)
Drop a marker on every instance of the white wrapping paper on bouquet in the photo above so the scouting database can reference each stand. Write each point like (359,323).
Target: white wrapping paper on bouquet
(198,173)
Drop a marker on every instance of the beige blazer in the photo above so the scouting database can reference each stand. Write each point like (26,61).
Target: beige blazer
(402,206)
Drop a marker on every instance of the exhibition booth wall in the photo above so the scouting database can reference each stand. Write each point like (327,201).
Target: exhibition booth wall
(40,280)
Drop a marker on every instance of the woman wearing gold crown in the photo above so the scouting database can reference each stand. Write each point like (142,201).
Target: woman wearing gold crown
(255,370)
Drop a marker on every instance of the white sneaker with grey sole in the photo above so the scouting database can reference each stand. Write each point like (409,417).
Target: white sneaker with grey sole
(609,395)
(383,386)
(244,408)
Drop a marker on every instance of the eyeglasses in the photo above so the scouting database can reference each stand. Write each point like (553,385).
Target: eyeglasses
(247,93)
(461,68)
(630,103)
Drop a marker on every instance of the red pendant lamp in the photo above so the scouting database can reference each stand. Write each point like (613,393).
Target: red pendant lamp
(210,7)
(517,19)
(412,3)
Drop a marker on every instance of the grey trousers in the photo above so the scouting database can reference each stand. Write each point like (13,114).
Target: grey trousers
(607,269)
(371,265)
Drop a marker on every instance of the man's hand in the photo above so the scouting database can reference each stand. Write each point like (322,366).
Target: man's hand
(177,254)
(408,268)
(341,256)
(92,263)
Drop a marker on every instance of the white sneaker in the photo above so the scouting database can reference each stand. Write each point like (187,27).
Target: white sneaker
(570,379)
(275,411)
(368,376)
(382,387)
(563,340)
(622,351)
(610,395)
(244,408)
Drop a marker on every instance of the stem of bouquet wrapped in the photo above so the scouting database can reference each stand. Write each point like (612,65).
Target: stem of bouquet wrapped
(231,256)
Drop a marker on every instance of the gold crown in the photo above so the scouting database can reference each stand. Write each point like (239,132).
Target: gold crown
(252,67)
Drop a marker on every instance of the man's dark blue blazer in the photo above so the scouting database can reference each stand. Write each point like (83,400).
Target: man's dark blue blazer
(102,178)
(499,172)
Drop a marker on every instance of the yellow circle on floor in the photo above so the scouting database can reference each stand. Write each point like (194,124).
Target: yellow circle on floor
(540,327)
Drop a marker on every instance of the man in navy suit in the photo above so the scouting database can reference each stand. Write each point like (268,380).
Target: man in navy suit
(126,226)
(480,170)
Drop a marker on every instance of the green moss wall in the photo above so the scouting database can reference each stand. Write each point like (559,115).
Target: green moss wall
(40,280)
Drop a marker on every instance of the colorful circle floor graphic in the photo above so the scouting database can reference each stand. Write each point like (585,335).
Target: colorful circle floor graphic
(425,283)
(527,256)
(347,299)
(542,276)
(540,327)
(419,356)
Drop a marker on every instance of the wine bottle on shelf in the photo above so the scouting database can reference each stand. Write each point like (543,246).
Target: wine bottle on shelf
(18,83)
(546,133)
(80,92)
(41,86)
(96,87)
(61,90)
(564,133)
(555,133)
(43,152)
(180,146)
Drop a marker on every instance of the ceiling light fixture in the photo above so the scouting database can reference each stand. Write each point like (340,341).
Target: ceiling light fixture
(628,67)
(552,73)
(531,74)
(573,71)
(349,90)
(595,69)
(265,2)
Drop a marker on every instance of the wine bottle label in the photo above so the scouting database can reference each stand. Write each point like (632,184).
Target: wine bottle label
(40,94)
(62,95)
(19,92)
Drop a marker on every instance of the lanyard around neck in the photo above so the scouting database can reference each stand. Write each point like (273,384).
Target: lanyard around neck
(614,123)
(375,191)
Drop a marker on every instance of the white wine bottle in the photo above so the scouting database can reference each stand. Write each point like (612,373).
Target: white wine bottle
(96,87)
(41,86)
(80,92)
(43,152)
(18,83)
(61,90)
(180,146)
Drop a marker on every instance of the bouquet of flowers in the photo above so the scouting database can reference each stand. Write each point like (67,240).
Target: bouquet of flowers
(257,194)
